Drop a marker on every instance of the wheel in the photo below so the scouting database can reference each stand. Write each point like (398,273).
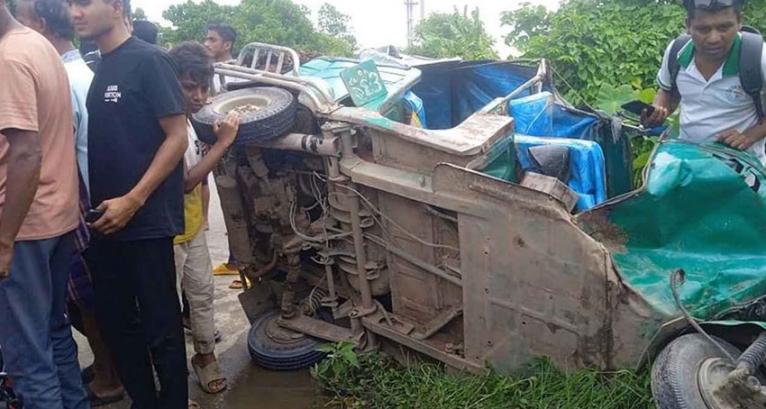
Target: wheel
(279,349)
(265,112)
(675,373)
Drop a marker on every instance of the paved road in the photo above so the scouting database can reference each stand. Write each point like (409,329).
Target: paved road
(250,387)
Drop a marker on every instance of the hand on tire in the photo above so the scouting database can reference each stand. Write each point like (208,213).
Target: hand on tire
(226,129)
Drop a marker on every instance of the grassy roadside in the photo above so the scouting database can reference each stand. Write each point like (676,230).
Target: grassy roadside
(356,381)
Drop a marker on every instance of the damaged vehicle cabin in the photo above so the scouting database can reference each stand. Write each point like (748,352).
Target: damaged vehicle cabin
(466,211)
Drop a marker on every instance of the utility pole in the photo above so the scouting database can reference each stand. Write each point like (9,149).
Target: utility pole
(410,4)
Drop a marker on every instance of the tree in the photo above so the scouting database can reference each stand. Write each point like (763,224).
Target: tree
(597,44)
(335,23)
(139,14)
(279,22)
(332,21)
(455,34)
(526,22)
(190,19)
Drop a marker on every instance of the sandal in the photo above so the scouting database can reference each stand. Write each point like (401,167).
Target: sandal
(96,401)
(210,377)
(225,269)
(236,284)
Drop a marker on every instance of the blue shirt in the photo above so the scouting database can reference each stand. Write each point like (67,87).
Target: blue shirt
(80,77)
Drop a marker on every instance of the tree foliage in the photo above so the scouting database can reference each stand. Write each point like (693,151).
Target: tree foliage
(455,34)
(336,24)
(279,22)
(596,44)
(139,14)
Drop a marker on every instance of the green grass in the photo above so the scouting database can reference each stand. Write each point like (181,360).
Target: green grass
(376,381)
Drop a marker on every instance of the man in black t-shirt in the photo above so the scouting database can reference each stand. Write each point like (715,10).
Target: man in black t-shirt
(137,138)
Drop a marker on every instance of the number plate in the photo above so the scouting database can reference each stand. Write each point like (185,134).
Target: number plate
(364,83)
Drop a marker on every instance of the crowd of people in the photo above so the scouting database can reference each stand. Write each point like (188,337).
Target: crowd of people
(103,192)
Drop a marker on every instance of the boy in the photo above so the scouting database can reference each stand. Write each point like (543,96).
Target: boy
(193,265)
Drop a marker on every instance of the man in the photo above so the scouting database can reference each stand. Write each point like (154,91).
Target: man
(145,30)
(38,212)
(191,252)
(708,88)
(137,137)
(51,19)
(220,41)
(92,56)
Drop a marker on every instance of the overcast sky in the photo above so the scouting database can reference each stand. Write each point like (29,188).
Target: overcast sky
(383,22)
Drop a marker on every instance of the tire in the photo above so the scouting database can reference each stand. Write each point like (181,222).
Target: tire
(675,372)
(280,356)
(275,117)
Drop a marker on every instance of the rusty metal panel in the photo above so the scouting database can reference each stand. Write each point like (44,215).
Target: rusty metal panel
(416,294)
(534,283)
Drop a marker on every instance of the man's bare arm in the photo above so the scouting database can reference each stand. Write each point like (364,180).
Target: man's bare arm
(23,177)
(744,140)
(119,211)
(665,103)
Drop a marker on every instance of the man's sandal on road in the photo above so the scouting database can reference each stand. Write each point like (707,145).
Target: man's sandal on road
(210,376)
(225,269)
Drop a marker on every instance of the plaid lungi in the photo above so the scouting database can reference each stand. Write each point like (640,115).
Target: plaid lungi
(80,285)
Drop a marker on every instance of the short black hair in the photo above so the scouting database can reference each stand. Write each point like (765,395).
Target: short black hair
(56,15)
(193,59)
(224,30)
(715,7)
(145,30)
(126,10)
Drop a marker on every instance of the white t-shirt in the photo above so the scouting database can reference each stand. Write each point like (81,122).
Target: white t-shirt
(709,108)
(196,149)
(80,77)
(217,82)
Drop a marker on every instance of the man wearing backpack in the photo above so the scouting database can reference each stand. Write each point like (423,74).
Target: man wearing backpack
(715,74)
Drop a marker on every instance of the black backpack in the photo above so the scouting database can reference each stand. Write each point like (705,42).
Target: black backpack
(750,74)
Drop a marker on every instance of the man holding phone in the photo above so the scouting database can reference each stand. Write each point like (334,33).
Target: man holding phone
(704,78)
(137,138)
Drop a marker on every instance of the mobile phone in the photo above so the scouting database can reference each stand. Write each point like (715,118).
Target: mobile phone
(638,107)
(93,215)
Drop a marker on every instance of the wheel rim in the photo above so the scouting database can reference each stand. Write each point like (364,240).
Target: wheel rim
(243,104)
(720,392)
(280,334)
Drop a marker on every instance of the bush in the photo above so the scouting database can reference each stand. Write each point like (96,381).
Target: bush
(595,44)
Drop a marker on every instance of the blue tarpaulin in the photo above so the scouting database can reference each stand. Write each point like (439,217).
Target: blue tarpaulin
(451,93)
(540,120)
(541,115)
(586,164)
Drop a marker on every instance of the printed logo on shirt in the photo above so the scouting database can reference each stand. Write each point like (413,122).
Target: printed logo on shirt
(737,94)
(200,148)
(112,94)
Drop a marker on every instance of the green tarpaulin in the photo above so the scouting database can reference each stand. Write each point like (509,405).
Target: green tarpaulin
(703,209)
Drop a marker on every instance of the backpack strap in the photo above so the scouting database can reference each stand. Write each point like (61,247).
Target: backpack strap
(750,71)
(673,65)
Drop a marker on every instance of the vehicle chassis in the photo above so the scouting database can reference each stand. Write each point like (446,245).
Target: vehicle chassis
(480,272)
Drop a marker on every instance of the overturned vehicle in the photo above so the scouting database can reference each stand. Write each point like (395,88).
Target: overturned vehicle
(465,211)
